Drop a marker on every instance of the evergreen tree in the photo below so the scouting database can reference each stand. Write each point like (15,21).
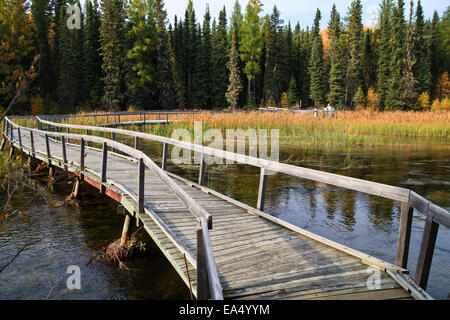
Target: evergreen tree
(252,44)
(190,48)
(421,48)
(166,95)
(277,63)
(316,65)
(204,78)
(398,58)
(355,36)
(41,11)
(384,51)
(292,93)
(369,59)
(336,96)
(92,61)
(435,54)
(113,53)
(221,74)
(235,79)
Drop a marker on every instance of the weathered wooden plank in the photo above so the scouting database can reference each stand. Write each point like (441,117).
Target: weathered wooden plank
(426,252)
(404,235)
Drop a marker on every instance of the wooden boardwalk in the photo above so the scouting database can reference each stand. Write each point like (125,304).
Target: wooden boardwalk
(256,255)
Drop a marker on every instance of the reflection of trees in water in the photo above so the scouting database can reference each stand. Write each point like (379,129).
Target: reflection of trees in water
(310,189)
(381,212)
(348,203)
(330,197)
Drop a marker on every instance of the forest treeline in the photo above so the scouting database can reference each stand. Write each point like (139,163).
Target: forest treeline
(127,55)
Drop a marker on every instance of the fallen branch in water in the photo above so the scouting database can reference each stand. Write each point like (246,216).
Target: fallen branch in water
(17,254)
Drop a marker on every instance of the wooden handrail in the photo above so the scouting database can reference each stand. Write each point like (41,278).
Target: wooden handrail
(417,202)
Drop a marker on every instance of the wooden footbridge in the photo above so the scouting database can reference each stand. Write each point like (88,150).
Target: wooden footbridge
(220,247)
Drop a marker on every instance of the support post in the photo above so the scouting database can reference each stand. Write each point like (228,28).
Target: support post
(88,133)
(104,164)
(426,252)
(136,143)
(404,235)
(113,138)
(82,155)
(32,142)
(164,156)
(201,176)
(141,191)
(262,190)
(126,227)
(20,137)
(203,291)
(47,145)
(63,144)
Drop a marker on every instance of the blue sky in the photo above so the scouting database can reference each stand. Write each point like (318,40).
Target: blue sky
(302,11)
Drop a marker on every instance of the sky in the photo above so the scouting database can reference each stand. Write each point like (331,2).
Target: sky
(302,11)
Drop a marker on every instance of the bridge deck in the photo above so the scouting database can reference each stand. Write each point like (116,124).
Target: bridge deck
(256,258)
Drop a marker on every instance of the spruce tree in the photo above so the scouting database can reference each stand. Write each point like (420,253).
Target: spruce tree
(235,86)
(369,59)
(336,96)
(355,36)
(92,60)
(220,59)
(435,54)
(113,53)
(384,51)
(398,58)
(421,48)
(292,93)
(316,65)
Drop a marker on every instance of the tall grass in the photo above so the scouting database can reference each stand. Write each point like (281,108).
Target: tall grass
(345,128)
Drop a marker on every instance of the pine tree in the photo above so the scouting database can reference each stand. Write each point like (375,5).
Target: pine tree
(190,47)
(221,74)
(421,48)
(204,78)
(276,59)
(369,59)
(41,11)
(292,93)
(235,79)
(113,53)
(409,83)
(316,65)
(252,44)
(355,36)
(435,53)
(68,81)
(336,96)
(398,58)
(384,51)
(92,61)
(166,96)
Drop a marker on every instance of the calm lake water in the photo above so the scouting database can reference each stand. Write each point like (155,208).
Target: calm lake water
(71,236)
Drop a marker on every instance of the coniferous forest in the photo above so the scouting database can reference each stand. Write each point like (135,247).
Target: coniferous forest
(128,54)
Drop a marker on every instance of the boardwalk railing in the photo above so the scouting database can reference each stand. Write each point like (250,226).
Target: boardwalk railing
(409,200)
(207,274)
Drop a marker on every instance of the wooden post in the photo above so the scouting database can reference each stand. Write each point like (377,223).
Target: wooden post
(126,227)
(404,235)
(201,176)
(76,188)
(136,143)
(262,190)
(203,290)
(32,142)
(104,164)
(164,156)
(426,252)
(47,145)
(141,190)
(20,137)
(118,118)
(113,138)
(82,155)
(88,133)
(63,144)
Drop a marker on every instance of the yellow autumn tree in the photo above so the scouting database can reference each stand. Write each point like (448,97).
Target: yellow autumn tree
(424,101)
(372,100)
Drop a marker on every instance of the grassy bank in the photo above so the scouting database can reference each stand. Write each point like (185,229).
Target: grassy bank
(346,128)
